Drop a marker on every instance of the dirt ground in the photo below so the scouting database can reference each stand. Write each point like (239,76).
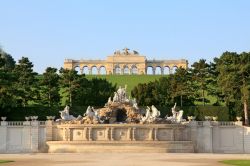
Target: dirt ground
(118,159)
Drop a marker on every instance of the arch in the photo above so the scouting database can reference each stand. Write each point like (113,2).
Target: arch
(150,70)
(166,70)
(78,69)
(102,70)
(94,70)
(117,69)
(174,68)
(85,70)
(126,70)
(158,70)
(134,70)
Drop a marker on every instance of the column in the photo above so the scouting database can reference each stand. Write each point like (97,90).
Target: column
(3,136)
(153,70)
(133,134)
(49,130)
(129,134)
(90,134)
(207,137)
(34,136)
(170,70)
(90,70)
(150,138)
(111,133)
(155,134)
(162,70)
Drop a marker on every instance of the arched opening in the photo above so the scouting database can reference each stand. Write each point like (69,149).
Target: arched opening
(103,70)
(85,70)
(150,70)
(117,70)
(158,70)
(174,68)
(166,70)
(78,69)
(121,115)
(126,70)
(94,70)
(134,70)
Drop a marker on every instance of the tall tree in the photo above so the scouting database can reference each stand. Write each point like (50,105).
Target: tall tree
(200,74)
(50,87)
(26,85)
(9,62)
(69,82)
(234,78)
(181,86)
(7,79)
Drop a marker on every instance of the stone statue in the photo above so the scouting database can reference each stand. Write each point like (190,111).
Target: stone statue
(135,52)
(89,112)
(109,101)
(177,116)
(174,112)
(151,115)
(66,116)
(115,98)
(117,52)
(126,51)
(147,115)
(155,112)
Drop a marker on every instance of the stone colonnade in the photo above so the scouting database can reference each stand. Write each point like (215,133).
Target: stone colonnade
(103,68)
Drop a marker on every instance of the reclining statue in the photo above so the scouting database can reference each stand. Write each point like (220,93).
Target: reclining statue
(66,116)
(177,115)
(152,114)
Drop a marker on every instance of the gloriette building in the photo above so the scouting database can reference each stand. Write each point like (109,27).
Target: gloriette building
(125,62)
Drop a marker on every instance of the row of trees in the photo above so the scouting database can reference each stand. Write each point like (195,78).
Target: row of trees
(20,86)
(227,79)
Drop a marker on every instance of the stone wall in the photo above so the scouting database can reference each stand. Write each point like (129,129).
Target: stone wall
(194,136)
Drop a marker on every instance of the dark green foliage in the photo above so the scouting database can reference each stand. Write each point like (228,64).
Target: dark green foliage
(200,77)
(26,83)
(166,90)
(49,89)
(234,79)
(19,113)
(81,91)
(199,111)
(7,97)
(94,92)
(69,84)
(182,90)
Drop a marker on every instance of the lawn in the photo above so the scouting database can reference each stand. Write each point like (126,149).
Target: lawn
(5,161)
(237,162)
(130,80)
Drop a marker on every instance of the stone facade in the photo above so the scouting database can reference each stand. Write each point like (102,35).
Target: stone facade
(125,63)
(122,138)
(193,136)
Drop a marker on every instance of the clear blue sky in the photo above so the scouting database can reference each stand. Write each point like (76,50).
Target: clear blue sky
(48,31)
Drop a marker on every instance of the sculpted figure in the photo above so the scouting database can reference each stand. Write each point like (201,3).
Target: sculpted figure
(174,111)
(66,116)
(115,98)
(147,115)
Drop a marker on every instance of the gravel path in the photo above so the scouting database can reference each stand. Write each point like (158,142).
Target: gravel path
(119,159)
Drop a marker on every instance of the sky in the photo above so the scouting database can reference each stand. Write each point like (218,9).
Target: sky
(49,31)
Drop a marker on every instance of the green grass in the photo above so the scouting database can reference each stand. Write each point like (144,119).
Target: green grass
(5,161)
(237,162)
(130,80)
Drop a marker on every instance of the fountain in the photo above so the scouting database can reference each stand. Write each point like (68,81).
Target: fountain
(120,126)
(121,110)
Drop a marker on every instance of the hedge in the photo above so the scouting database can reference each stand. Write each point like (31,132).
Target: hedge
(18,114)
